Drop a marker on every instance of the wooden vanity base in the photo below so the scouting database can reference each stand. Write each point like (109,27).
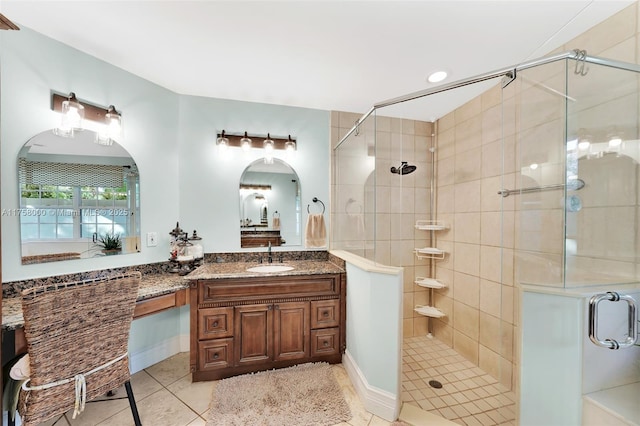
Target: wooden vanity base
(243,325)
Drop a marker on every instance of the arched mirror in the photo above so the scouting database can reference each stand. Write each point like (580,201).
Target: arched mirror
(270,205)
(78,199)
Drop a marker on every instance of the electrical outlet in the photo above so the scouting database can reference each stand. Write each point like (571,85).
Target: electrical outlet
(152,239)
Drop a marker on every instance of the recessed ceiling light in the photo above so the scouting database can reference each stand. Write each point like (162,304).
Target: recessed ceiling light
(436,77)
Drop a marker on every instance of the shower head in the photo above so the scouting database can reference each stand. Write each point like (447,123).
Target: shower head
(404,169)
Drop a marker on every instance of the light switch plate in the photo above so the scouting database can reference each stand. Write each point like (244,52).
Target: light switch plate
(152,239)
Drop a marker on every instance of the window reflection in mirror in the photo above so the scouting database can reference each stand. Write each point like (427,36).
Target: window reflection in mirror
(76,198)
(270,205)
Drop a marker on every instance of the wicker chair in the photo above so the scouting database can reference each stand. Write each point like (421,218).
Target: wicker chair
(77,340)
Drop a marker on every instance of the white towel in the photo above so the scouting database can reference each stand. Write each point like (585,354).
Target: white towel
(276,223)
(316,233)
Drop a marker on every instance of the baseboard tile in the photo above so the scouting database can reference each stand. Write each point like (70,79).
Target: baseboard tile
(377,401)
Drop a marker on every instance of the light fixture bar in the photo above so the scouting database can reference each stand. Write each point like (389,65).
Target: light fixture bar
(91,112)
(256,140)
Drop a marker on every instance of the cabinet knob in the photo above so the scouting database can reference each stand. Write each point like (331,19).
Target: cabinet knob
(216,356)
(325,343)
(215,323)
(325,314)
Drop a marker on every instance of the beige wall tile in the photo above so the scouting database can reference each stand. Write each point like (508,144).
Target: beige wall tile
(446,171)
(467,197)
(610,32)
(466,289)
(468,110)
(466,258)
(420,326)
(466,320)
(491,97)
(467,165)
(465,346)
(445,199)
(492,124)
(491,263)
(467,229)
(443,331)
(407,327)
(490,332)
(491,298)
(468,134)
(491,159)
(489,361)
(407,305)
(446,143)
(447,122)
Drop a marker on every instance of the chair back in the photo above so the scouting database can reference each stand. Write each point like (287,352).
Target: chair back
(74,328)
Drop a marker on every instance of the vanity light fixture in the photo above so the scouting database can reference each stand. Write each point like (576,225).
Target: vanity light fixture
(222,142)
(73,112)
(269,146)
(245,143)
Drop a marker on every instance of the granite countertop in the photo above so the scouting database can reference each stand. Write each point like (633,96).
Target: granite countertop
(151,285)
(239,269)
(158,284)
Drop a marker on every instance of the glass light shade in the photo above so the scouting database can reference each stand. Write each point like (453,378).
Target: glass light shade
(269,146)
(245,143)
(222,142)
(112,128)
(290,146)
(614,142)
(71,116)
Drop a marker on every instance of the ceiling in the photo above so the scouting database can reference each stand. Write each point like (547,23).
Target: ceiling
(330,55)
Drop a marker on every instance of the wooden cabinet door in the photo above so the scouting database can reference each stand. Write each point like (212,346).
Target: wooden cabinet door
(253,333)
(291,330)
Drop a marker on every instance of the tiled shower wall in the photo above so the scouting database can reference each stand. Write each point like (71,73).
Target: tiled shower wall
(399,201)
(481,302)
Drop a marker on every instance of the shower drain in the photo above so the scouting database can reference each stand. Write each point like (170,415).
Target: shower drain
(435,384)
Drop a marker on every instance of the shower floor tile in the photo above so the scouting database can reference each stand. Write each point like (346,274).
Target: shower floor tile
(469,396)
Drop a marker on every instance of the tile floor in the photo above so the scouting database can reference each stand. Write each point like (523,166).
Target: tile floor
(165,396)
(468,396)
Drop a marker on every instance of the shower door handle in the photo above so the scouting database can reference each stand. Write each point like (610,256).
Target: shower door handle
(612,296)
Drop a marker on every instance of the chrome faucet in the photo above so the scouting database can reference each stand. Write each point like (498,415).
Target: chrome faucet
(269,251)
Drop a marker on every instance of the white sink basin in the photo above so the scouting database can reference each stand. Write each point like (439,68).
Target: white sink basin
(270,268)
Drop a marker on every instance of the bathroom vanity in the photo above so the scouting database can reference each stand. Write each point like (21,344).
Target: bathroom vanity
(243,321)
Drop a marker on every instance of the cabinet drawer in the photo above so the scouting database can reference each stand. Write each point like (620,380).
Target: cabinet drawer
(268,287)
(214,323)
(325,341)
(325,313)
(213,354)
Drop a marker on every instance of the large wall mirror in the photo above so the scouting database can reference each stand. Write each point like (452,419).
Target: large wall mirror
(78,199)
(270,205)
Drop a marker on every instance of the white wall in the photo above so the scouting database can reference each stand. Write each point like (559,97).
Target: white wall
(209,182)
(31,67)
(171,137)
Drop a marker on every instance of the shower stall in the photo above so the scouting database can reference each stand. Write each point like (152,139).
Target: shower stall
(521,210)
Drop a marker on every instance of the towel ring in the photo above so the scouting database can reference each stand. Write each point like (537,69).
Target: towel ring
(316,200)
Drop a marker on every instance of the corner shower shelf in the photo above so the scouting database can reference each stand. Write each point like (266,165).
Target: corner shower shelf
(429,283)
(429,311)
(429,253)
(430,225)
